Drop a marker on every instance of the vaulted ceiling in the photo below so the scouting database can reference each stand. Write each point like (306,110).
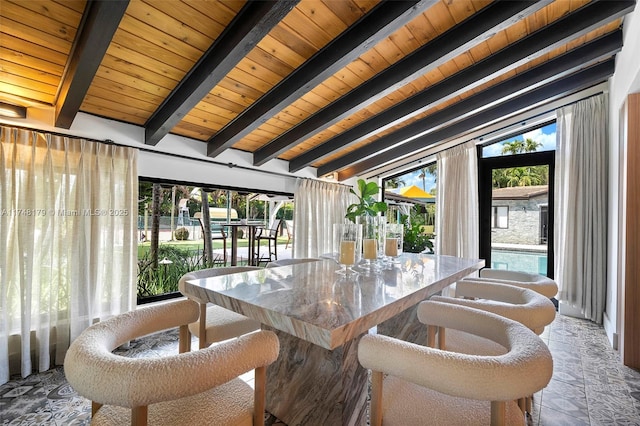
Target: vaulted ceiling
(339,85)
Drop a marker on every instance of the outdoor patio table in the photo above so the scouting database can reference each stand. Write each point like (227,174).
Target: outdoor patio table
(320,316)
(251,231)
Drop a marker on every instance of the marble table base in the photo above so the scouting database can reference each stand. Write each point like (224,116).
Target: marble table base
(310,385)
(405,326)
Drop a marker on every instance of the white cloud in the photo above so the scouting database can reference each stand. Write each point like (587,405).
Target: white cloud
(548,140)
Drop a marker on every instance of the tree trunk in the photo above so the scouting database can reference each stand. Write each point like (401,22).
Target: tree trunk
(155,225)
(206,228)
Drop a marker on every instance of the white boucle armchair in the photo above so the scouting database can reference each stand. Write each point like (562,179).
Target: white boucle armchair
(538,283)
(191,388)
(429,386)
(532,309)
(216,323)
(529,308)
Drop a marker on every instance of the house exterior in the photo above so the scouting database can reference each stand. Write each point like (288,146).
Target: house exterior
(520,215)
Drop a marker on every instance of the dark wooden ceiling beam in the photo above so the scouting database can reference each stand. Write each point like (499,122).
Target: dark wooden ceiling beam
(539,43)
(479,27)
(98,25)
(245,31)
(375,26)
(549,92)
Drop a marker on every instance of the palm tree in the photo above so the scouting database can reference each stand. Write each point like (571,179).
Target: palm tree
(423,176)
(519,146)
(520,176)
(206,225)
(155,224)
(392,183)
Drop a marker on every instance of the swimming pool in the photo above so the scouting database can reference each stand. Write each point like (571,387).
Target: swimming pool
(534,263)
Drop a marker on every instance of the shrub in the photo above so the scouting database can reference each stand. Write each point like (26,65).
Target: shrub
(414,240)
(165,278)
(181,234)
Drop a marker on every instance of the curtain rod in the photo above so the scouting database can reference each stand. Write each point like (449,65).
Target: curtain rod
(326,181)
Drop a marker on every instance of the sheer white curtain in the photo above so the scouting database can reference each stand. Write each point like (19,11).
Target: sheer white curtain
(457,225)
(581,205)
(318,205)
(68,249)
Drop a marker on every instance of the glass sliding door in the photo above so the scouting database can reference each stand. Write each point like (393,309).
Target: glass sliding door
(516,204)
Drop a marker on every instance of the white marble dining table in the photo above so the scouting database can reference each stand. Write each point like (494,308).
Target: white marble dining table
(320,315)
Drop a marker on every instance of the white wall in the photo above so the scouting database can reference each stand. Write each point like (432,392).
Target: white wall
(625,81)
(192,165)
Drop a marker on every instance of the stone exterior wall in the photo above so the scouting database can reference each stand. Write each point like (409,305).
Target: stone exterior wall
(523,222)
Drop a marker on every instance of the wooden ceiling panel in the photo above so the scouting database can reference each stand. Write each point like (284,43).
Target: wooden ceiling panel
(151,50)
(222,12)
(32,38)
(22,52)
(323,17)
(440,17)
(35,40)
(285,45)
(307,28)
(131,74)
(145,65)
(208,108)
(114,110)
(148,14)
(250,67)
(77,5)
(57,12)
(205,119)
(276,91)
(239,92)
(270,62)
(62,23)
(229,101)
(39,89)
(401,43)
(104,92)
(193,131)
(494,44)
(185,13)
(461,10)
(465,95)
(133,95)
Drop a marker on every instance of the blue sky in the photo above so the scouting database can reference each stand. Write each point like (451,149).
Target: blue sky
(546,135)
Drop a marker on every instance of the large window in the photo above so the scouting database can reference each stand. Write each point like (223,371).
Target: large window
(171,232)
(411,197)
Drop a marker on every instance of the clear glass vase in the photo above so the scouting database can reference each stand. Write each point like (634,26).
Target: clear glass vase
(347,244)
(372,241)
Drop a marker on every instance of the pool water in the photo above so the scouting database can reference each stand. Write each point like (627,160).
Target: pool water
(534,263)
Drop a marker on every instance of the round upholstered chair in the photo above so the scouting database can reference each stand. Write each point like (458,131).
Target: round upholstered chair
(538,283)
(190,388)
(420,385)
(216,323)
(529,308)
(532,309)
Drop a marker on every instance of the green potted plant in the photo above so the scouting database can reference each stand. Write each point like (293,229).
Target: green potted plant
(414,240)
(367,205)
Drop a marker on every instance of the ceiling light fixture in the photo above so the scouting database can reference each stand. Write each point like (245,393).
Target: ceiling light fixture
(12,111)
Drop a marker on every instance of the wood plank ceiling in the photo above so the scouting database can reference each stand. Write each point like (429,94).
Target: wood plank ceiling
(342,86)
